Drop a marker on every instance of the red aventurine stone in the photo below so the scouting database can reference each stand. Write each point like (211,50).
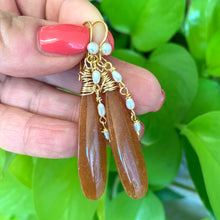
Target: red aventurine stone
(126,148)
(92,158)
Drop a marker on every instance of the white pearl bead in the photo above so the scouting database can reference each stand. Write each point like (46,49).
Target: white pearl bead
(96,76)
(116,76)
(130,103)
(93,47)
(101,109)
(106,134)
(137,126)
(106,49)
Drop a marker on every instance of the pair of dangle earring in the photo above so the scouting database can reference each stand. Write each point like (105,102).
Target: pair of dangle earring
(105,116)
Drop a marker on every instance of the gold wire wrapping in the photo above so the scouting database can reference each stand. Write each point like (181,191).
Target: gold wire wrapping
(91,63)
(97,62)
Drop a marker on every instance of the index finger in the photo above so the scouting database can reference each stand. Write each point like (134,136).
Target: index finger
(21,54)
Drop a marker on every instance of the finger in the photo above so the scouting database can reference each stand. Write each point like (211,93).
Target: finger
(9,6)
(63,11)
(143,85)
(33,8)
(26,133)
(20,53)
(83,11)
(39,98)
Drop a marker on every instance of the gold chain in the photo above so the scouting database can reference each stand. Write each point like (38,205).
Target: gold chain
(124,92)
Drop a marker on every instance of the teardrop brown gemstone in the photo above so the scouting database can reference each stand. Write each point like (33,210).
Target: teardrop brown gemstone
(126,148)
(92,158)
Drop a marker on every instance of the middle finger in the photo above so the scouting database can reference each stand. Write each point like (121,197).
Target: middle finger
(143,85)
(40,98)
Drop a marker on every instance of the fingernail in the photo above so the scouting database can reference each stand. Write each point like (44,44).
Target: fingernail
(141,132)
(65,39)
(162,100)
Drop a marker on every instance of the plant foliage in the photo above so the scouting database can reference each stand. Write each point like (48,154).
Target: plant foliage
(179,42)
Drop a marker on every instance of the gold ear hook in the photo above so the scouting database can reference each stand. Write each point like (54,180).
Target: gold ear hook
(91,25)
(106,31)
(90,29)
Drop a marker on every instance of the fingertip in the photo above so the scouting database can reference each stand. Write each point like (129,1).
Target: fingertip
(142,85)
(147,92)
(163,97)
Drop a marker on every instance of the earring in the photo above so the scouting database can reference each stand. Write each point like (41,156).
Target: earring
(112,120)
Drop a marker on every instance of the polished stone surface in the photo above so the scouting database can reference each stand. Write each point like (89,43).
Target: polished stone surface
(126,148)
(92,158)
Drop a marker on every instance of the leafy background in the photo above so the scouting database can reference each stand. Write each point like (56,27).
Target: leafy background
(178,41)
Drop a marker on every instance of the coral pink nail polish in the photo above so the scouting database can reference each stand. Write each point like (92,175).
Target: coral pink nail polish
(66,39)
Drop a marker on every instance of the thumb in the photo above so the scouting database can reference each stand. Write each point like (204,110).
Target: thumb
(22,56)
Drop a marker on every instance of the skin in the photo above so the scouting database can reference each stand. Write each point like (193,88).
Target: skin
(35,118)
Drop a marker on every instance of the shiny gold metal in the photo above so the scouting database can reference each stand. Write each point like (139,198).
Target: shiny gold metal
(91,25)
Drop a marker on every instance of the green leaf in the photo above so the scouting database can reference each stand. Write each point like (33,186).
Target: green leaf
(213,55)
(5,160)
(123,14)
(67,91)
(163,160)
(200,24)
(5,217)
(158,22)
(176,71)
(121,40)
(13,217)
(57,191)
(196,172)
(101,207)
(167,195)
(112,166)
(130,56)
(22,168)
(123,207)
(2,161)
(203,134)
(100,211)
(150,23)
(15,198)
(207,99)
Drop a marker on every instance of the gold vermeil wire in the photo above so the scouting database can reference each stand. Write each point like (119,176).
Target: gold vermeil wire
(91,26)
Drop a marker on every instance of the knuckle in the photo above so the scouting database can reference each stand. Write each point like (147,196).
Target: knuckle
(35,100)
(27,137)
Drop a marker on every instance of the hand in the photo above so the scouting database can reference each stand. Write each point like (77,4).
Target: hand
(36,118)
